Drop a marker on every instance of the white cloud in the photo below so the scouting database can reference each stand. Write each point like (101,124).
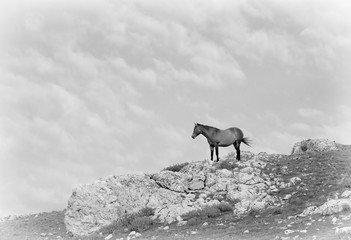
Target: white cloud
(271,117)
(339,132)
(212,120)
(277,142)
(340,128)
(301,127)
(310,112)
(42,125)
(51,125)
(141,112)
(172,134)
(187,101)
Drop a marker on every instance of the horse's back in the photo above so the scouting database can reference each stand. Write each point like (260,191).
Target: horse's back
(238,134)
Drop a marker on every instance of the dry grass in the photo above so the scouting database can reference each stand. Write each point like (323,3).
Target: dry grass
(225,207)
(141,224)
(139,221)
(176,167)
(199,216)
(226,164)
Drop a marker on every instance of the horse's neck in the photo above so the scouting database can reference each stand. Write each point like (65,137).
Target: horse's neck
(208,132)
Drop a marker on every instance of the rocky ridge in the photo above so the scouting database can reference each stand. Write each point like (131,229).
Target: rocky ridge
(249,185)
(314,145)
(310,191)
(171,194)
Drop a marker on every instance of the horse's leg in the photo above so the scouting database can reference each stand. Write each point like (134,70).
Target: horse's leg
(237,148)
(217,153)
(211,147)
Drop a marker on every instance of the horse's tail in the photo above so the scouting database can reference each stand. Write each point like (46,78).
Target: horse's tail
(247,141)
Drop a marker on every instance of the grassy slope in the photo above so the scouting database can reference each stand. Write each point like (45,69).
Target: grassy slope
(30,227)
(323,175)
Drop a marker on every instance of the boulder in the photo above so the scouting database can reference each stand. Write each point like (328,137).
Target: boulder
(250,196)
(328,208)
(95,205)
(197,182)
(174,181)
(202,167)
(332,206)
(313,145)
(346,194)
(170,213)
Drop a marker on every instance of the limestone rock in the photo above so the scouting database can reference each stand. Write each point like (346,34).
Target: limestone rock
(174,181)
(250,191)
(224,173)
(343,230)
(346,194)
(328,208)
(95,205)
(196,185)
(194,168)
(171,194)
(314,145)
(308,211)
(197,182)
(333,206)
(220,184)
(254,197)
(169,214)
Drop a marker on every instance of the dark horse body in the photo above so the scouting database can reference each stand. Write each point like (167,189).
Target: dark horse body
(221,138)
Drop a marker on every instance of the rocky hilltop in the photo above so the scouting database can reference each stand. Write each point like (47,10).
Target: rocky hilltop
(256,183)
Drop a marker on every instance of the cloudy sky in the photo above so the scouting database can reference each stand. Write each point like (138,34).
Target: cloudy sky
(93,88)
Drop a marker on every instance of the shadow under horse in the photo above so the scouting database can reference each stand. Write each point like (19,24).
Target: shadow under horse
(221,138)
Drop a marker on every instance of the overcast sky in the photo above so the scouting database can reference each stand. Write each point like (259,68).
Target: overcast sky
(93,88)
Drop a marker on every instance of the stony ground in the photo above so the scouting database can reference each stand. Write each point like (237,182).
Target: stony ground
(323,176)
(35,226)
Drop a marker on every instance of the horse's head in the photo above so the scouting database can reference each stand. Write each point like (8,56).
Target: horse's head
(197,131)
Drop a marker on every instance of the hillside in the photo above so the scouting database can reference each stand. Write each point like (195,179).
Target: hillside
(307,197)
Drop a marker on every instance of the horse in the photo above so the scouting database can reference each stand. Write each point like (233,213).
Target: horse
(221,138)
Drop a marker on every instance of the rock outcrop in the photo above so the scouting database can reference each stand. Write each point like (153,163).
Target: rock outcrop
(332,206)
(171,194)
(314,145)
(247,185)
(98,204)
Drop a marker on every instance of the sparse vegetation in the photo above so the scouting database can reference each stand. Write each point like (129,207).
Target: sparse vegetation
(227,164)
(192,214)
(346,208)
(176,167)
(304,145)
(109,228)
(277,211)
(194,221)
(225,207)
(213,211)
(139,221)
(141,224)
(94,236)
(232,202)
(254,213)
(146,212)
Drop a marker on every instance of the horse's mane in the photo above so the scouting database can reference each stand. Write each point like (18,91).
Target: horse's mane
(206,126)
